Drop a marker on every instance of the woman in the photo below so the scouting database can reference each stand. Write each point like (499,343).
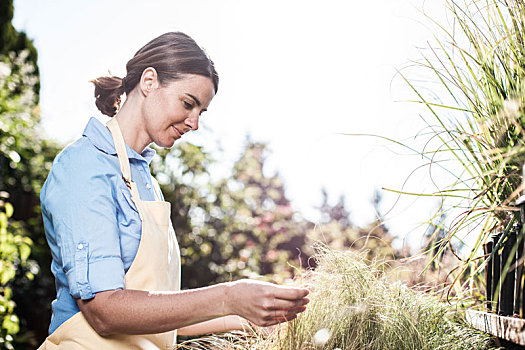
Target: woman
(115,255)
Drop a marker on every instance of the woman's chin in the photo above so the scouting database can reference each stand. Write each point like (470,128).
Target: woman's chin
(166,143)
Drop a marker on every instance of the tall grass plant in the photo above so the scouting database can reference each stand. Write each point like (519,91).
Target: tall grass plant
(355,305)
(475,124)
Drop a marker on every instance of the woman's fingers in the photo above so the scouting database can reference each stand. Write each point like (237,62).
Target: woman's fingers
(278,320)
(283,314)
(277,304)
(290,293)
(288,313)
(279,316)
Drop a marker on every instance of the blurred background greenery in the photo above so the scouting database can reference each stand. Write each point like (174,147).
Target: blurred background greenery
(238,226)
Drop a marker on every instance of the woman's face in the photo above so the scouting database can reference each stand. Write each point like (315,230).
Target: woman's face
(171,110)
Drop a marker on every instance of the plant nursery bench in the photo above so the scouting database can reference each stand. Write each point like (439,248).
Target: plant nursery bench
(504,277)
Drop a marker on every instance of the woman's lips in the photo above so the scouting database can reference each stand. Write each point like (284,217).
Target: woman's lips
(177,131)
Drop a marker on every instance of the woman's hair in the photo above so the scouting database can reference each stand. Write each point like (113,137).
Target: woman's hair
(172,55)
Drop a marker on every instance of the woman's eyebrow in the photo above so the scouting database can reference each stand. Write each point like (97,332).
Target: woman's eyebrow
(195,98)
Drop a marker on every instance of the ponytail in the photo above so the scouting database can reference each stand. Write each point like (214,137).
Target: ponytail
(108,91)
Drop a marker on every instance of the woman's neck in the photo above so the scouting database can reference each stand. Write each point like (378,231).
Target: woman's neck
(131,124)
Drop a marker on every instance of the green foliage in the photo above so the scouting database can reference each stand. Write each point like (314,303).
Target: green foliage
(476,121)
(482,69)
(13,41)
(25,156)
(25,160)
(15,248)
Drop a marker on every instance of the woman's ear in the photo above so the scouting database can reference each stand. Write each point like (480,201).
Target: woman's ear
(149,80)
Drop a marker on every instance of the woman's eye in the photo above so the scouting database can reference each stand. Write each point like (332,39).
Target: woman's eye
(188,105)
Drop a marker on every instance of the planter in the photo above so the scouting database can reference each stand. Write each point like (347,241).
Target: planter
(504,281)
(503,272)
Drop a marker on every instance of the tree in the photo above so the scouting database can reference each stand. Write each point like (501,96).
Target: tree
(275,237)
(336,212)
(13,41)
(337,231)
(25,159)
(239,226)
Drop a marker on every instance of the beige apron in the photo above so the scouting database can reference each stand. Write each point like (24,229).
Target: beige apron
(156,268)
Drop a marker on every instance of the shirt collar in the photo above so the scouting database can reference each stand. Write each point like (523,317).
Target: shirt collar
(101,138)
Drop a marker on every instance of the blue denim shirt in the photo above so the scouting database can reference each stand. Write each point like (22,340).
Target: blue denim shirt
(92,226)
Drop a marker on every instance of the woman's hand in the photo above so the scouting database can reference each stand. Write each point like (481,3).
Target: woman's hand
(265,304)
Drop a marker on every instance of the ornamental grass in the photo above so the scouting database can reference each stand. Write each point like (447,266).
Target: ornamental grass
(355,305)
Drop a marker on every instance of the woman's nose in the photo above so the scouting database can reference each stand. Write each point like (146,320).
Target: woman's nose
(193,121)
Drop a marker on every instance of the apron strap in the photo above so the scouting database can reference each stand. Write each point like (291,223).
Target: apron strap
(122,155)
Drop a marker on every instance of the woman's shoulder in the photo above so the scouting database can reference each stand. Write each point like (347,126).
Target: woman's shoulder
(81,162)
(80,166)
(83,154)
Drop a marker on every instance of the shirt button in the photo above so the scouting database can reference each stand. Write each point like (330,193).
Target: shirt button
(80,246)
(148,186)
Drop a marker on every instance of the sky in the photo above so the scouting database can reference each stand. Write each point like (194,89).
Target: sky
(298,75)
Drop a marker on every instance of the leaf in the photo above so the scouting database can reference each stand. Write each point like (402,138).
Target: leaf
(11,324)
(25,251)
(8,210)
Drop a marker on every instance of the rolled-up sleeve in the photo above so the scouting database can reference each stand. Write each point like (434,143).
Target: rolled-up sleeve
(80,196)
